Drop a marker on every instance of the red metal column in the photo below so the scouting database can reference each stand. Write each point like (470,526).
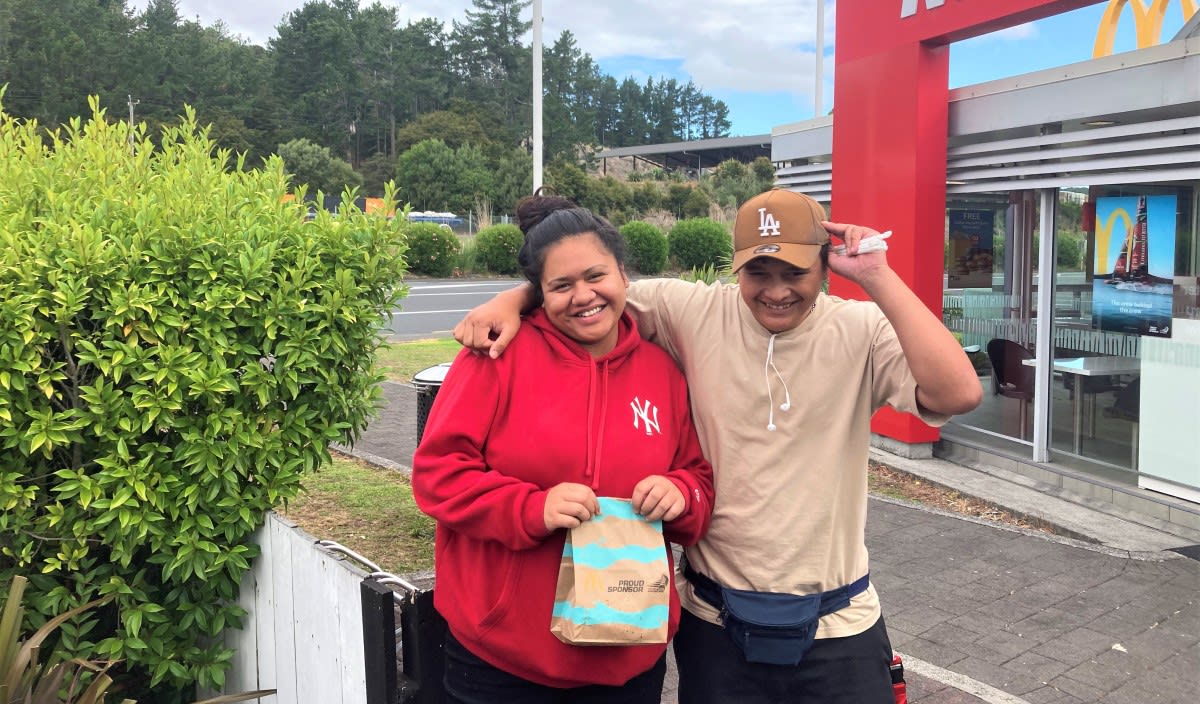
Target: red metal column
(889,172)
(889,133)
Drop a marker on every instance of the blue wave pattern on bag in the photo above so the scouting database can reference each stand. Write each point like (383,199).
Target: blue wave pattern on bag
(649,618)
(600,557)
(620,509)
(614,580)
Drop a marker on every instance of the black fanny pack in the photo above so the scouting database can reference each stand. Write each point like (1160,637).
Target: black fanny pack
(768,627)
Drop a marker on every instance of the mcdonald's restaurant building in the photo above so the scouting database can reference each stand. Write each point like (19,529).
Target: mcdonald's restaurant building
(1052,218)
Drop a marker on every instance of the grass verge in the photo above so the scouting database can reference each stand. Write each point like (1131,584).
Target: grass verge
(369,510)
(885,481)
(400,360)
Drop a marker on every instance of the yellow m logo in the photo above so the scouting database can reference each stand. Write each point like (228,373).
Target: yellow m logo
(1104,233)
(589,582)
(1147,22)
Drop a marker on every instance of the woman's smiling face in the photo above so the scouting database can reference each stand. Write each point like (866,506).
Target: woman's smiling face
(583,291)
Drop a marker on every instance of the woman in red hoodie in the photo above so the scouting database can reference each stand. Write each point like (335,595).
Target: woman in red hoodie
(516,450)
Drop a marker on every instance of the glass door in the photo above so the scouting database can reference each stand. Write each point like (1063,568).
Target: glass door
(988,304)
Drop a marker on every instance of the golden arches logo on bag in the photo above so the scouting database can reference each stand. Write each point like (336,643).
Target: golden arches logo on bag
(1147,22)
(590,583)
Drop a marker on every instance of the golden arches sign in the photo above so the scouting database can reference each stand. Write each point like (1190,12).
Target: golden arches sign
(1147,22)
(1104,233)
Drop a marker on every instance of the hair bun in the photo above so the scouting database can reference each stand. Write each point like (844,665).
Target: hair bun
(532,210)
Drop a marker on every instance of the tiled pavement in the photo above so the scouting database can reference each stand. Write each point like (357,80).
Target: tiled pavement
(1043,619)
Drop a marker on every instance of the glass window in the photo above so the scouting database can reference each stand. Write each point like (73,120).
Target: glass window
(988,305)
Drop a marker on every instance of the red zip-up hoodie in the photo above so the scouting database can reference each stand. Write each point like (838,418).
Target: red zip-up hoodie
(500,435)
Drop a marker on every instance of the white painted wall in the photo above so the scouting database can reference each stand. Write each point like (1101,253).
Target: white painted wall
(1169,441)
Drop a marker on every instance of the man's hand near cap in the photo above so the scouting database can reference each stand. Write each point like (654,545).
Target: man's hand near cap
(858,267)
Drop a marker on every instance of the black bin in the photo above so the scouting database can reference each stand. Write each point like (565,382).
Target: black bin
(427,382)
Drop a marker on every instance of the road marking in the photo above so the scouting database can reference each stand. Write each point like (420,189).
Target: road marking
(448,293)
(986,692)
(430,287)
(429,312)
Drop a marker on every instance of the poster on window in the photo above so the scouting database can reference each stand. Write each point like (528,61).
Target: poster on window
(1134,266)
(970,264)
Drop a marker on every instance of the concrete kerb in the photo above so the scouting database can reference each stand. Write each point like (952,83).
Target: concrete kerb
(1071,522)
(372,459)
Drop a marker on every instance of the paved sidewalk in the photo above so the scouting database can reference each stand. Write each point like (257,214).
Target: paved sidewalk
(985,613)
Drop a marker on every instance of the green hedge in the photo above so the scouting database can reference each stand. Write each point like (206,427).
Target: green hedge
(699,242)
(496,247)
(432,249)
(647,246)
(178,347)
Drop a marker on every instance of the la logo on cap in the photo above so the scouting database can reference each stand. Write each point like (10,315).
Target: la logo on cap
(768,226)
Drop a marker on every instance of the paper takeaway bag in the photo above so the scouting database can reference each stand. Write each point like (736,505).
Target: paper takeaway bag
(614,580)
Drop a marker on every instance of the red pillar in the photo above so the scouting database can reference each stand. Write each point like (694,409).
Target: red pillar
(889,134)
(889,172)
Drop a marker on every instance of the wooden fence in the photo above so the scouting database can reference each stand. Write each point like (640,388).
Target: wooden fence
(303,632)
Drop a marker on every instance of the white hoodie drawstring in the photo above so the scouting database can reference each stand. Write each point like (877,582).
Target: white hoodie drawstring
(787,402)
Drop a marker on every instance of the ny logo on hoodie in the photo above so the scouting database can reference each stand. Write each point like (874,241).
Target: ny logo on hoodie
(647,413)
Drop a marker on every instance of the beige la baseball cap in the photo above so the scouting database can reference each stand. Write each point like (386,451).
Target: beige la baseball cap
(782,224)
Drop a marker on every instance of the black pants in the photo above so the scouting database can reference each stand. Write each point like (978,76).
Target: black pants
(851,670)
(470,680)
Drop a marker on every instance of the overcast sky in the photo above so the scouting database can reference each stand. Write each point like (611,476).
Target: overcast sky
(756,55)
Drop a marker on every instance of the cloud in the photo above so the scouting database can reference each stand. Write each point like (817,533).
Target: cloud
(736,45)
(754,38)
(744,62)
(254,21)
(1020,32)
(750,45)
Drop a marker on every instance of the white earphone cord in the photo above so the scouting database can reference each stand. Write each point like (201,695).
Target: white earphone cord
(787,401)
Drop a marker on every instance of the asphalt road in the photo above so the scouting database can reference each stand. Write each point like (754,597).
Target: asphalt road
(434,306)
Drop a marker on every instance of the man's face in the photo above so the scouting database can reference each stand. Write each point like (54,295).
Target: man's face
(778,294)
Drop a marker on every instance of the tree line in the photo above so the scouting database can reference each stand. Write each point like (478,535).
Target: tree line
(340,82)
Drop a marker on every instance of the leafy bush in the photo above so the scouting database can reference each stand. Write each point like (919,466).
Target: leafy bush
(24,679)
(700,242)
(696,205)
(646,197)
(432,249)
(729,170)
(675,198)
(764,171)
(732,183)
(1071,246)
(496,248)
(178,347)
(607,196)
(647,246)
